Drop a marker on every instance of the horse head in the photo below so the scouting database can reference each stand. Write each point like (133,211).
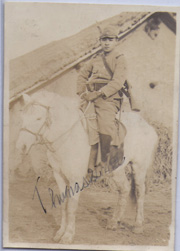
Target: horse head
(35,117)
(46,114)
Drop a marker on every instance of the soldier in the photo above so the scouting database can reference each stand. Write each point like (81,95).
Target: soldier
(99,83)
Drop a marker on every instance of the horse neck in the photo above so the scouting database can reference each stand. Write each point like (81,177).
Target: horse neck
(62,117)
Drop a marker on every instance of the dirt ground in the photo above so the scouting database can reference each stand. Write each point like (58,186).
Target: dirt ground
(29,223)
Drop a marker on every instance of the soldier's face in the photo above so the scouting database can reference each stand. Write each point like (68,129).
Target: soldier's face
(108,44)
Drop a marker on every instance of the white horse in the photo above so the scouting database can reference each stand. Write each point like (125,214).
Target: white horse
(56,122)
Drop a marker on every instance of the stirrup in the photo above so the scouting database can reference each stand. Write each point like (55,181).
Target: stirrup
(92,174)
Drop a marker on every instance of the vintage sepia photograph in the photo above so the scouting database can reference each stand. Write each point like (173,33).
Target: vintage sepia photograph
(91,98)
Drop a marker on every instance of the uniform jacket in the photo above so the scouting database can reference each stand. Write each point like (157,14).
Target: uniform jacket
(95,72)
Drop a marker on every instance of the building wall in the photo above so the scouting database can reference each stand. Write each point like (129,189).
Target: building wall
(151,64)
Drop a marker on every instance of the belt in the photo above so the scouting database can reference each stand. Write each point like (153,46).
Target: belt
(98,86)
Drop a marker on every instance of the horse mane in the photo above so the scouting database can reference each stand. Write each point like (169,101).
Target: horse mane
(63,109)
(51,99)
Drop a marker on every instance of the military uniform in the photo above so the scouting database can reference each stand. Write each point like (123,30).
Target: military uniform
(98,83)
(95,76)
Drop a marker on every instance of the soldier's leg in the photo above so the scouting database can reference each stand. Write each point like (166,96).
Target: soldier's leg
(92,158)
(105,143)
(108,131)
(93,135)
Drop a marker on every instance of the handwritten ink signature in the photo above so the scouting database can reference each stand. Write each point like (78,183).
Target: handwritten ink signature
(69,192)
(39,197)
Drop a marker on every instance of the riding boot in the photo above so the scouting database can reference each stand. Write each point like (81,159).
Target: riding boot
(92,159)
(105,142)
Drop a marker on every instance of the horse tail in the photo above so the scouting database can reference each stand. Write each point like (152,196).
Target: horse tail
(147,181)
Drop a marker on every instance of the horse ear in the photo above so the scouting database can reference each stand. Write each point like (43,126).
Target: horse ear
(26,99)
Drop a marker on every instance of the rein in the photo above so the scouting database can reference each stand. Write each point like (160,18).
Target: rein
(39,135)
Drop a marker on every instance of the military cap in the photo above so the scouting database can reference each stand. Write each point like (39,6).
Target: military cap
(109,31)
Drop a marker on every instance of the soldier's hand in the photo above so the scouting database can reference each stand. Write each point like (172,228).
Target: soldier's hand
(91,96)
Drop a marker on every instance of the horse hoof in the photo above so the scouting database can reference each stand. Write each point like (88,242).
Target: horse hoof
(67,238)
(137,230)
(112,226)
(58,236)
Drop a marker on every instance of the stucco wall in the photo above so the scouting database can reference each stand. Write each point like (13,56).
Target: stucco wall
(152,61)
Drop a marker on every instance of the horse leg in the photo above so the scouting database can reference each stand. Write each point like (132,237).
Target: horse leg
(61,185)
(62,229)
(139,177)
(123,187)
(71,215)
(56,165)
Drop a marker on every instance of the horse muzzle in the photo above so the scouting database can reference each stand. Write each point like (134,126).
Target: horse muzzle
(24,143)
(22,148)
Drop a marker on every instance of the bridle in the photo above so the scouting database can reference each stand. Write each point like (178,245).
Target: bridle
(39,133)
